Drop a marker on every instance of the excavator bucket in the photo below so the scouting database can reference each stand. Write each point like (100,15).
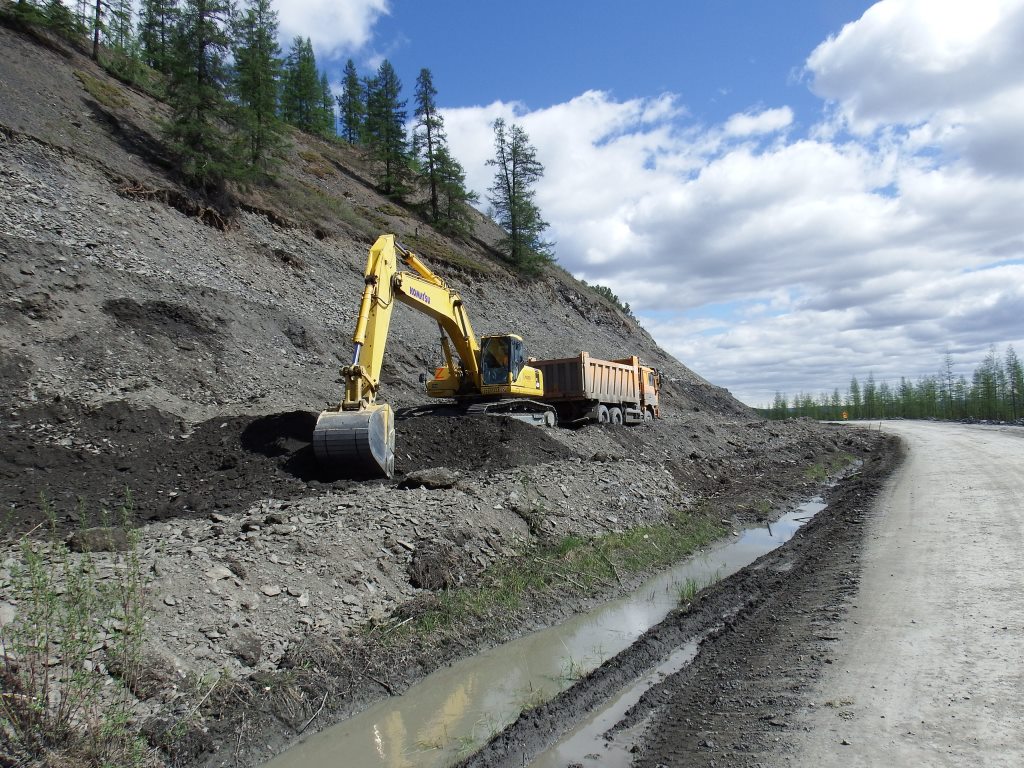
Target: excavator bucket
(357,442)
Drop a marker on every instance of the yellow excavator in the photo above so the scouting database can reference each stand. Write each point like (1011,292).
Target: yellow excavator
(485,376)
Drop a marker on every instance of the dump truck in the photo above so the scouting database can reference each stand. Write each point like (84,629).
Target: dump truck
(585,388)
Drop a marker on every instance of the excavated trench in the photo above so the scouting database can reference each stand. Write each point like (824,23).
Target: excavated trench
(453,710)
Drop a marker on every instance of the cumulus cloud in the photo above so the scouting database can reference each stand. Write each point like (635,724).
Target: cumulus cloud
(767,261)
(768,121)
(904,61)
(336,27)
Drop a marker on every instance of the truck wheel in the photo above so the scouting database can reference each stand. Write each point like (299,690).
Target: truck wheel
(602,414)
(549,419)
(614,415)
(648,416)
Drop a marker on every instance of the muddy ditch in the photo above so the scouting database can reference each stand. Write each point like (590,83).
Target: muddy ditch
(324,680)
(752,645)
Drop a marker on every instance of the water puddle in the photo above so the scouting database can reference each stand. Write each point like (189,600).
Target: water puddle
(453,711)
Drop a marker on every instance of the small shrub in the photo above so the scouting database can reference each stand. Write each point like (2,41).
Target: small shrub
(317,164)
(56,699)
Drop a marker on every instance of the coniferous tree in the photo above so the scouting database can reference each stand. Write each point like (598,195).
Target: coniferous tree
(369,86)
(385,131)
(454,200)
(197,93)
(351,105)
(326,120)
(1014,382)
(157,20)
(442,174)
(302,95)
(60,18)
(854,399)
(257,83)
(124,46)
(512,196)
(428,137)
(118,34)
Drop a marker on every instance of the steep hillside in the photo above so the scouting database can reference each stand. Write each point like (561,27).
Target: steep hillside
(129,298)
(151,342)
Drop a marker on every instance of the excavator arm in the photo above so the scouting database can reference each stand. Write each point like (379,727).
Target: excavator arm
(360,434)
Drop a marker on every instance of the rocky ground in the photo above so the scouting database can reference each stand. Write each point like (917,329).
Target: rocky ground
(145,352)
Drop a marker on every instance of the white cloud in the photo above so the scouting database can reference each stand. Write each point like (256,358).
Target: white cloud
(768,121)
(336,27)
(766,261)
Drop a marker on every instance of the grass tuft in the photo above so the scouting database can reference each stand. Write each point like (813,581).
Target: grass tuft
(106,94)
(583,565)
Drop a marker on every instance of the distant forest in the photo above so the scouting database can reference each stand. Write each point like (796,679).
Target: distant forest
(994,392)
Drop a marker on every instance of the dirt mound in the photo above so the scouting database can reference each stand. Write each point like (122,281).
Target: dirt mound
(473,442)
(85,460)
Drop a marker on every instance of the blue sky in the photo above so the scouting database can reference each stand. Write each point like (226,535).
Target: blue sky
(788,194)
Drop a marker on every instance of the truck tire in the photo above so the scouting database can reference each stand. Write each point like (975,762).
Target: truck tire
(615,416)
(648,414)
(602,414)
(549,419)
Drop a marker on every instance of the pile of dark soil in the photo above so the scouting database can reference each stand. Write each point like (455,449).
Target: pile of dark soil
(473,442)
(83,461)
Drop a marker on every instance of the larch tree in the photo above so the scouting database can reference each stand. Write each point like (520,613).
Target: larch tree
(157,19)
(119,29)
(441,173)
(257,84)
(1014,381)
(428,137)
(301,94)
(454,200)
(327,121)
(351,105)
(512,197)
(385,131)
(197,94)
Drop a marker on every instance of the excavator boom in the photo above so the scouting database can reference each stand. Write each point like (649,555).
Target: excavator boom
(359,436)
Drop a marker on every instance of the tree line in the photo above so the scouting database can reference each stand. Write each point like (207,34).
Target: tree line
(232,92)
(994,392)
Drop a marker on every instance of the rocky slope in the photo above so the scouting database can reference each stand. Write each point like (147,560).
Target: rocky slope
(147,343)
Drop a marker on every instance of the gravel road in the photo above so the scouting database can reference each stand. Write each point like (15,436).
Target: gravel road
(929,669)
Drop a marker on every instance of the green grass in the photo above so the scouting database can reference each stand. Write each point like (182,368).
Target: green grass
(435,250)
(106,94)
(822,471)
(71,621)
(580,564)
(313,206)
(317,164)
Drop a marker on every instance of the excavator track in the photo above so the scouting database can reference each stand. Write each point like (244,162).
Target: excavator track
(529,411)
(357,443)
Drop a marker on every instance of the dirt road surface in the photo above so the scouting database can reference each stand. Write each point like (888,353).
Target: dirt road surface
(929,669)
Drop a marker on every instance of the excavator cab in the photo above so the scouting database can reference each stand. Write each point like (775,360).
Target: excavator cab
(501,359)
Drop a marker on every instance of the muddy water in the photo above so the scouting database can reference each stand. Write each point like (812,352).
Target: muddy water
(455,710)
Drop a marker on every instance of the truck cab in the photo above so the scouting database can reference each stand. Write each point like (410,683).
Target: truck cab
(650,387)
